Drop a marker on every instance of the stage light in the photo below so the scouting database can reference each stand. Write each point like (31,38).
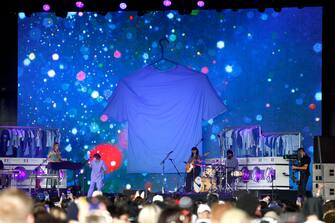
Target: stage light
(200,4)
(270,174)
(256,174)
(46,7)
(20,174)
(61,175)
(38,171)
(123,5)
(167,3)
(79,4)
(245,174)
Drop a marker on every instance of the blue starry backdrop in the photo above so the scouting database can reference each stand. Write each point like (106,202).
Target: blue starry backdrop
(266,67)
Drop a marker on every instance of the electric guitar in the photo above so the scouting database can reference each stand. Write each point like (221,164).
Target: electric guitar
(190,165)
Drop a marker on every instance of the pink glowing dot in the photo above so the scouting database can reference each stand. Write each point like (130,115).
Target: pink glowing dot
(46,7)
(117,54)
(201,3)
(79,4)
(80,14)
(204,70)
(167,3)
(103,118)
(214,61)
(81,75)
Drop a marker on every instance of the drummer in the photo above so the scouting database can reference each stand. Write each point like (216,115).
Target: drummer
(231,166)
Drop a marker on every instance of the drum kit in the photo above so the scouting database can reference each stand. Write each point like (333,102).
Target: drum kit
(216,177)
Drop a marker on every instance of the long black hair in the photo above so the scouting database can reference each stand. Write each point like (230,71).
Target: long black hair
(196,154)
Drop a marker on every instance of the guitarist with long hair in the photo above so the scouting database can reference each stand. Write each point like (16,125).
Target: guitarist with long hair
(303,168)
(192,169)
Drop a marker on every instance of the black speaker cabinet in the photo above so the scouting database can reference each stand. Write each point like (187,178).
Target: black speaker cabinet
(324,146)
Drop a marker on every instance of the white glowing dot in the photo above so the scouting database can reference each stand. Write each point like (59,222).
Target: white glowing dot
(88,182)
(22,15)
(267,105)
(55,56)
(54,105)
(65,99)
(229,68)
(170,15)
(81,171)
(145,56)
(68,148)
(113,163)
(86,147)
(269,79)
(119,131)
(220,44)
(51,73)
(61,66)
(26,62)
(95,94)
(128,186)
(31,56)
(45,80)
(293,90)
(318,96)
(317,119)
(74,131)
(67,140)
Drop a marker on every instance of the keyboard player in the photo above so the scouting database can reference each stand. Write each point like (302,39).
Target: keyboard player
(54,156)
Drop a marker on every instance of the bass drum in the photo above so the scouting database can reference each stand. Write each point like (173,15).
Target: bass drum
(197,184)
(204,184)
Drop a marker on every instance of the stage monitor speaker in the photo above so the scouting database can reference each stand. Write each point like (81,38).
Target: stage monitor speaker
(324,146)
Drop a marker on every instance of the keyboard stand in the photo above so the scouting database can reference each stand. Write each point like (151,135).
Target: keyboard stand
(48,177)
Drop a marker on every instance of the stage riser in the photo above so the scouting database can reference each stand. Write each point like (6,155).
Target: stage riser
(29,164)
(279,164)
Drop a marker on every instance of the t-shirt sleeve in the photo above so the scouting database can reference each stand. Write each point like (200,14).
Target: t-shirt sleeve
(211,103)
(117,107)
(305,161)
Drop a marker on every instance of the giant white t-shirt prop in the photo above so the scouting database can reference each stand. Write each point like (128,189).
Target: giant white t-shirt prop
(164,111)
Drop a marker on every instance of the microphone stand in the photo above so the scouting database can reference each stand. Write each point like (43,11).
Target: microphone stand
(163,170)
(174,165)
